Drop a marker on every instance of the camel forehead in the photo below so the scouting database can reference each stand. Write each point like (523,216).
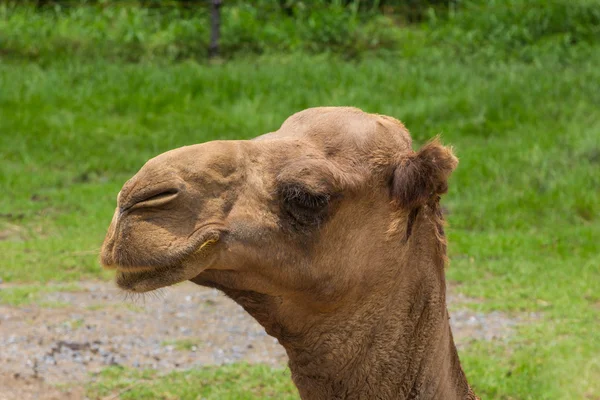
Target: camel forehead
(219,152)
(343,129)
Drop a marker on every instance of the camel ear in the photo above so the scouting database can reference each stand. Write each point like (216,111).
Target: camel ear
(423,176)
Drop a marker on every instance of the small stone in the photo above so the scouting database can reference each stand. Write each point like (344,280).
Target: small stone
(49,360)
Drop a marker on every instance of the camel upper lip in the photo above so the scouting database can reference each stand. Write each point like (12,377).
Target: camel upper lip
(201,239)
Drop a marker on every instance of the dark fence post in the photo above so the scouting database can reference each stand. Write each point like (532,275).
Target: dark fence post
(215,27)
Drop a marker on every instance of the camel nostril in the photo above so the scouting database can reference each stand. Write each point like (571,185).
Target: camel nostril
(164,195)
(151,199)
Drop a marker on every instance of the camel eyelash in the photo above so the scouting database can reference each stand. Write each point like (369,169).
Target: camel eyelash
(303,208)
(302,197)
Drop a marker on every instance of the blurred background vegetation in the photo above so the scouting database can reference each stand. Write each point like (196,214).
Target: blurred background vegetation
(89,90)
(178,30)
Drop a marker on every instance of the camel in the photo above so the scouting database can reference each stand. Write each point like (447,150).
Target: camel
(328,231)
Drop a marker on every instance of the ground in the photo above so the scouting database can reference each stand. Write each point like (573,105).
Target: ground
(92,326)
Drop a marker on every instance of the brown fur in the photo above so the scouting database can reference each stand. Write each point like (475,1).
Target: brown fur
(327,231)
(423,176)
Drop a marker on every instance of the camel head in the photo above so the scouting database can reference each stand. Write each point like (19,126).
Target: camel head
(328,231)
(301,212)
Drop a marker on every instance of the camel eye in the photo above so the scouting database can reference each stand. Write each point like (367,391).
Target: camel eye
(304,206)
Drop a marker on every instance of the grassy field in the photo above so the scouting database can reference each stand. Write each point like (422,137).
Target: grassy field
(233,382)
(524,204)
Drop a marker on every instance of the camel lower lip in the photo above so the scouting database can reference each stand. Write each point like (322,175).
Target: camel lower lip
(146,280)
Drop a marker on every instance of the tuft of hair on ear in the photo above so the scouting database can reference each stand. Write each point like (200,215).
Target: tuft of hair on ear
(423,176)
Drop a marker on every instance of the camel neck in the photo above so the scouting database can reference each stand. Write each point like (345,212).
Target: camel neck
(404,351)
(382,335)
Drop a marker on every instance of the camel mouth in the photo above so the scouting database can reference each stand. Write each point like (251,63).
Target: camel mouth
(144,278)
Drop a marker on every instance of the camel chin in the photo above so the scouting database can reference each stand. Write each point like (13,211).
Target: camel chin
(148,280)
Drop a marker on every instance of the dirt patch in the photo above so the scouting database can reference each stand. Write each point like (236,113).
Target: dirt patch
(11,232)
(20,387)
(179,328)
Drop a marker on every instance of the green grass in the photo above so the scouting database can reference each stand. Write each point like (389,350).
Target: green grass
(231,382)
(523,206)
(32,294)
